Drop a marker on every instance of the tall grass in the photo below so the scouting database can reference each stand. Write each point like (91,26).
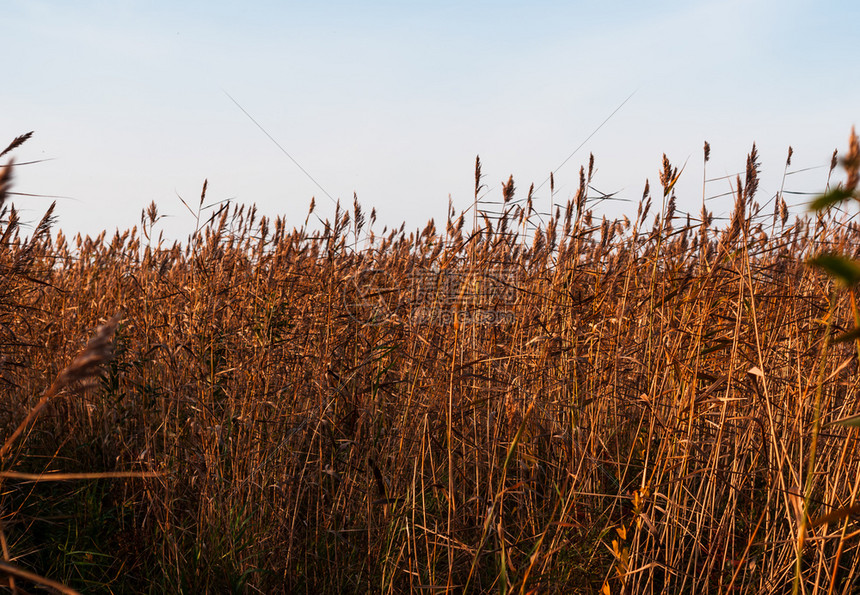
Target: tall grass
(569,406)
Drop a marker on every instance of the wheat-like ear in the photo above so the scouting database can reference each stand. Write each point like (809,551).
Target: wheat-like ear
(5,181)
(83,369)
(17,143)
(87,363)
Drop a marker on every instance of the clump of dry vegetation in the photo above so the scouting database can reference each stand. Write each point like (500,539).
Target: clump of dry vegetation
(558,405)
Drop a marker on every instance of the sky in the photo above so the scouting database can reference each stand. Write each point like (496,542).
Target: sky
(130,102)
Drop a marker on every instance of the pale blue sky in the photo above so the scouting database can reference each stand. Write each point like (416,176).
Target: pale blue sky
(393,100)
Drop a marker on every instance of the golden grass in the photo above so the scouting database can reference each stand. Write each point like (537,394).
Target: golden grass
(636,417)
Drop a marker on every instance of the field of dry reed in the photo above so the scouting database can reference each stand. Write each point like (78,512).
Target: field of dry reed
(504,403)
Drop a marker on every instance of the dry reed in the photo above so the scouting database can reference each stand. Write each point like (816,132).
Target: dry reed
(331,417)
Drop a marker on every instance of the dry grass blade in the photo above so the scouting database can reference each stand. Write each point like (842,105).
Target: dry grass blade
(837,515)
(13,571)
(55,476)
